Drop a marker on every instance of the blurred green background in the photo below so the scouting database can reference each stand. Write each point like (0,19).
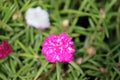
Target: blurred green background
(93,24)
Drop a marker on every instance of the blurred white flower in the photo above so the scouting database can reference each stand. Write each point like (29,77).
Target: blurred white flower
(37,17)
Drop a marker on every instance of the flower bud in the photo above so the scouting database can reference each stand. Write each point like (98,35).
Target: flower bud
(90,50)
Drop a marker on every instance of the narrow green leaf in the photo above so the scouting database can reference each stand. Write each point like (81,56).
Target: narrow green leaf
(3,77)
(40,70)
(77,67)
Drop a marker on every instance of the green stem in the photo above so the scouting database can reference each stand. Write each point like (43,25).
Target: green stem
(58,71)
(117,26)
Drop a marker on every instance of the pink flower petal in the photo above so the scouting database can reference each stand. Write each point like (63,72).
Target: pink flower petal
(58,48)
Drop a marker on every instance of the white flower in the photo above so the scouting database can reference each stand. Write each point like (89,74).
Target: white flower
(37,17)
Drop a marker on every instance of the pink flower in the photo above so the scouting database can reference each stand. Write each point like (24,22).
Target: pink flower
(5,49)
(58,48)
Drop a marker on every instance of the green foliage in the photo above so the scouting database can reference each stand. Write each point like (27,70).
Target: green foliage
(97,42)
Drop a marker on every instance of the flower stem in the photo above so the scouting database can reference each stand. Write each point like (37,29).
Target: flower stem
(58,71)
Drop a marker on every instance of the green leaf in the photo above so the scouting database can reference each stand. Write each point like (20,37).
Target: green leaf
(77,67)
(41,70)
